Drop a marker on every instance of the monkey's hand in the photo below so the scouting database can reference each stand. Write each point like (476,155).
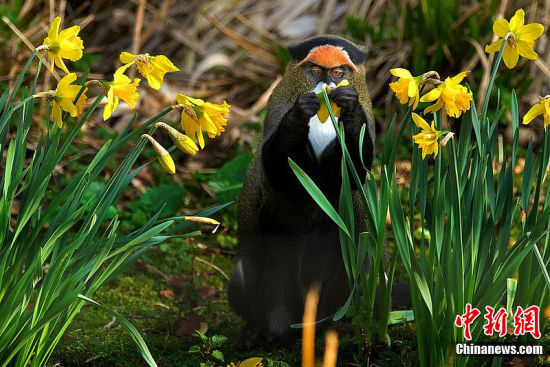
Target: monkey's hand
(346,98)
(306,106)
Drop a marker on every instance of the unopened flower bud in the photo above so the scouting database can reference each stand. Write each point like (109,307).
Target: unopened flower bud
(163,156)
(181,141)
(204,220)
(446,138)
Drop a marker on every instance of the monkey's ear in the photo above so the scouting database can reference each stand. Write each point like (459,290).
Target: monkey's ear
(299,51)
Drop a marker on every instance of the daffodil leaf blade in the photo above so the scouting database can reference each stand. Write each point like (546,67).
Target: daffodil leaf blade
(318,196)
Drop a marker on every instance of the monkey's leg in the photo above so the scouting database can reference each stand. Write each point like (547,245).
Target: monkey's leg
(263,289)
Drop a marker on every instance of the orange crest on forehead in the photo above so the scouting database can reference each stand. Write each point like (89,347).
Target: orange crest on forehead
(328,56)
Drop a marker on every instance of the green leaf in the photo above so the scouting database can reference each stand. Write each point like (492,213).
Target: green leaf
(318,196)
(218,355)
(398,317)
(218,340)
(131,328)
(195,349)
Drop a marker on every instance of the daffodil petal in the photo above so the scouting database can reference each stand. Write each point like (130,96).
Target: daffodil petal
(60,64)
(413,89)
(66,80)
(420,122)
(459,77)
(181,98)
(494,47)
(435,107)
(416,100)
(56,113)
(322,113)
(68,106)
(510,56)
(69,32)
(501,27)
(200,136)
(517,20)
(54,29)
(126,57)
(533,112)
(431,96)
(155,79)
(526,50)
(401,73)
(163,63)
(531,32)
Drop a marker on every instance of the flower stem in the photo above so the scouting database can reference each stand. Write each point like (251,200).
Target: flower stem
(490,87)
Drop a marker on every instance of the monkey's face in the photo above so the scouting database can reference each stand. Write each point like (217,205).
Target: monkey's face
(330,76)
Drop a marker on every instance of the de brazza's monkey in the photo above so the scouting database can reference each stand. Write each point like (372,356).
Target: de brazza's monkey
(287,243)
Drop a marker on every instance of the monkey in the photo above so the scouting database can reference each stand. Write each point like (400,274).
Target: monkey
(287,243)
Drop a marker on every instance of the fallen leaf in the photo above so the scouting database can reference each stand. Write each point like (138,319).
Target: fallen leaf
(167,293)
(190,324)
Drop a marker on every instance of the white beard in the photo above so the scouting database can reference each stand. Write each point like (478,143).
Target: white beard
(321,134)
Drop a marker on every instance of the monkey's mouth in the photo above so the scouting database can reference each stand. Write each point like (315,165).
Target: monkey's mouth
(319,87)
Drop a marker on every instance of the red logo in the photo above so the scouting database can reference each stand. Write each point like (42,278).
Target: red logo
(465,320)
(525,321)
(495,322)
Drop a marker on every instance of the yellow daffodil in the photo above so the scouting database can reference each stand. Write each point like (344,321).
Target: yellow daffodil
(181,141)
(427,139)
(519,37)
(541,108)
(164,158)
(121,87)
(62,45)
(323,114)
(406,88)
(199,115)
(63,98)
(450,94)
(153,68)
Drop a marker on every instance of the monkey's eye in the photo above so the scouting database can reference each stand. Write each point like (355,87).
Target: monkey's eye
(337,72)
(317,71)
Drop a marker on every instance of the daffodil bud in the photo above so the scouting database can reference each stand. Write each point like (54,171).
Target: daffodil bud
(422,232)
(203,220)
(181,141)
(163,156)
(446,138)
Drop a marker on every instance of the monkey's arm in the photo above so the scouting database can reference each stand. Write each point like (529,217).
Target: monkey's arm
(288,140)
(353,117)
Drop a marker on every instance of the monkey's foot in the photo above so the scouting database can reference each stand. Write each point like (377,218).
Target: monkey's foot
(283,341)
(249,336)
